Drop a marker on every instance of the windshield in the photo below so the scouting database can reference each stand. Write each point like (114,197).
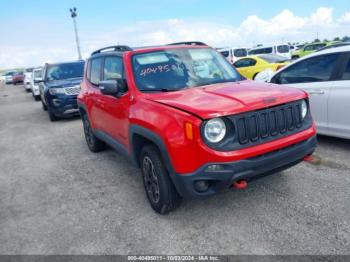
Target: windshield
(240,52)
(265,50)
(175,69)
(283,49)
(37,73)
(65,71)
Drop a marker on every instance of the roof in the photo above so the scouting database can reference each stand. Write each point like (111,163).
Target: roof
(124,48)
(265,46)
(68,62)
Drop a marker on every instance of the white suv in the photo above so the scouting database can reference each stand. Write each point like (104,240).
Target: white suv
(28,79)
(232,54)
(36,76)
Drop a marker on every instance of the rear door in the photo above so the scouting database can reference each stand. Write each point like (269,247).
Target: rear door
(339,101)
(94,95)
(315,76)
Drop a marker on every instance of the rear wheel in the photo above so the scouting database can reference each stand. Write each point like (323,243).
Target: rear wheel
(161,192)
(94,144)
(36,98)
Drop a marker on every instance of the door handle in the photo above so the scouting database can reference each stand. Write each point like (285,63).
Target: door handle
(316,92)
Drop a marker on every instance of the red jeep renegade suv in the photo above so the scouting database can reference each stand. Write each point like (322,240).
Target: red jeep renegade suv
(192,124)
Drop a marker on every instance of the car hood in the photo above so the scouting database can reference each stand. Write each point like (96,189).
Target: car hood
(64,82)
(227,98)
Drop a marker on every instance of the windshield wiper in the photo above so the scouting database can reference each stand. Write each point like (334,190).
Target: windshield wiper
(158,90)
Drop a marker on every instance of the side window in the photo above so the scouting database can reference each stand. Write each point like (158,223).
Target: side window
(95,71)
(319,46)
(245,63)
(113,68)
(309,48)
(346,73)
(315,69)
(225,53)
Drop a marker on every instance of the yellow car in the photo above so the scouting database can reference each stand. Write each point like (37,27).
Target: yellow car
(250,66)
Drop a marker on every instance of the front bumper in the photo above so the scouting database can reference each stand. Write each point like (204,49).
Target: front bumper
(247,169)
(35,90)
(64,106)
(27,85)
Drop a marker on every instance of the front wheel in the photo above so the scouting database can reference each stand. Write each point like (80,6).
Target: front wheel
(94,144)
(52,116)
(161,192)
(43,105)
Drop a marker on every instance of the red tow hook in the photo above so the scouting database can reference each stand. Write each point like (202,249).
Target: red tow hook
(308,158)
(241,184)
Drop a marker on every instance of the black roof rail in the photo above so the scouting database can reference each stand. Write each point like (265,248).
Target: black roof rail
(189,43)
(121,48)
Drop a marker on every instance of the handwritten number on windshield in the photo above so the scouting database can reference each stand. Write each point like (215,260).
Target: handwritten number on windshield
(155,70)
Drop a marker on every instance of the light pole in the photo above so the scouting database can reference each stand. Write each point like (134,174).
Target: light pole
(73,14)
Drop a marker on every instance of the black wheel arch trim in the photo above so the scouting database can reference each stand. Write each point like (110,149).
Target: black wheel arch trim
(154,138)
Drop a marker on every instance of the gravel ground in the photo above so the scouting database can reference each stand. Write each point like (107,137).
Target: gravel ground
(56,197)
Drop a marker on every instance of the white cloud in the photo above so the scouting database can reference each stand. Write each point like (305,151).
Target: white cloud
(345,19)
(322,16)
(285,26)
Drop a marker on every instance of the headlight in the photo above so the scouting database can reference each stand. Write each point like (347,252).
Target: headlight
(215,130)
(55,91)
(303,109)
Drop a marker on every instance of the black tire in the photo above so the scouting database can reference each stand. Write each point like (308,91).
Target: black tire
(52,116)
(44,106)
(160,191)
(36,98)
(95,145)
(294,57)
(255,75)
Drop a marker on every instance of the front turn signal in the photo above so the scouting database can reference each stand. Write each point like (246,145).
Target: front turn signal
(189,131)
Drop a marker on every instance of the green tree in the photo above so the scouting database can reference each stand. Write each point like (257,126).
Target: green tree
(317,40)
(336,39)
(346,39)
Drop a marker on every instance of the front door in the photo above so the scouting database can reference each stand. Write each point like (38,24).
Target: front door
(115,108)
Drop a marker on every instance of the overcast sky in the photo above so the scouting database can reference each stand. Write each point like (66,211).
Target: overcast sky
(35,32)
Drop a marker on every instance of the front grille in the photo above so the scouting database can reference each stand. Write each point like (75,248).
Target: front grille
(257,127)
(74,90)
(268,123)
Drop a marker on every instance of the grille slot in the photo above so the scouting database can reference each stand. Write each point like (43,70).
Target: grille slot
(72,91)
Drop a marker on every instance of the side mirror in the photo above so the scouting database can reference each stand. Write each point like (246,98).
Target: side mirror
(108,87)
(113,87)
